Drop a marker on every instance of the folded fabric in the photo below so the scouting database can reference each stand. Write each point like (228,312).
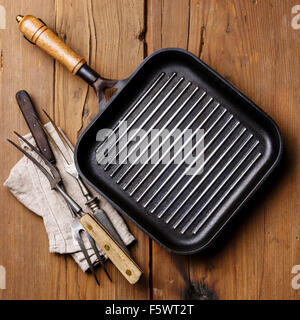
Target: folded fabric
(29,185)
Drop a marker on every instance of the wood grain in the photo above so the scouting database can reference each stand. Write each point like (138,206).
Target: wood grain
(32,272)
(249,42)
(73,105)
(170,20)
(105,33)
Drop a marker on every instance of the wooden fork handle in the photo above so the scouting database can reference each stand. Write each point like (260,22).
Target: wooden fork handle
(118,257)
(38,33)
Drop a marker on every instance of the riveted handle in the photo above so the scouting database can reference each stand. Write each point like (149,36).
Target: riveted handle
(118,257)
(38,33)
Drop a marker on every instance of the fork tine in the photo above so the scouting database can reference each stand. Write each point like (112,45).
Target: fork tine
(55,145)
(71,147)
(93,244)
(53,181)
(45,172)
(27,142)
(86,255)
(61,136)
(52,168)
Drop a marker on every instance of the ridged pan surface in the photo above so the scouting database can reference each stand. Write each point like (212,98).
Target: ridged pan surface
(181,204)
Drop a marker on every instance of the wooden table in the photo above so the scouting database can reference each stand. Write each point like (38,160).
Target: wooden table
(251,43)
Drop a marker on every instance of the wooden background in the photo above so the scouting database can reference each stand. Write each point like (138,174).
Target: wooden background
(252,44)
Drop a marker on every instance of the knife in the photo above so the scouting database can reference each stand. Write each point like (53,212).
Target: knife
(40,136)
(32,119)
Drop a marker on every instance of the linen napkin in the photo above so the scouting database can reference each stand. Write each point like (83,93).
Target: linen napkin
(29,185)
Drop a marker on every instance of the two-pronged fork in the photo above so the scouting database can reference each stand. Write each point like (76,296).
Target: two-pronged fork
(55,181)
(92,202)
(99,226)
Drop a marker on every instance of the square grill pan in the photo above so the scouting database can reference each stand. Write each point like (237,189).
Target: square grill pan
(172,89)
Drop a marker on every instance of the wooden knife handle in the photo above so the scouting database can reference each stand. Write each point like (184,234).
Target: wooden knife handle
(32,120)
(118,257)
(38,33)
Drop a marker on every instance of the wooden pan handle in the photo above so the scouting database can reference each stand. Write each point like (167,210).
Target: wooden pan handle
(118,257)
(38,33)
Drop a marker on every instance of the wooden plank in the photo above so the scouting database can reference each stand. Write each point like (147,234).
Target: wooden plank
(168,26)
(106,33)
(32,272)
(45,275)
(256,53)
(244,42)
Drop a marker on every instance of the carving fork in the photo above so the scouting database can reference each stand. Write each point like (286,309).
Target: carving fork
(55,181)
(99,231)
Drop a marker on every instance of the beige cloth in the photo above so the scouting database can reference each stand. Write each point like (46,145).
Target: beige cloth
(29,185)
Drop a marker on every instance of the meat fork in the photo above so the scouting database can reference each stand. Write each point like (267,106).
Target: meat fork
(92,202)
(97,226)
(55,181)
(113,246)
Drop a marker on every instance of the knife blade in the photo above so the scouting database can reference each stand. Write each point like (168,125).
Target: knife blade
(32,119)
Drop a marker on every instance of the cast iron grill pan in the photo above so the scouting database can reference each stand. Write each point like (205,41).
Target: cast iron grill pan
(172,89)
(242,145)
